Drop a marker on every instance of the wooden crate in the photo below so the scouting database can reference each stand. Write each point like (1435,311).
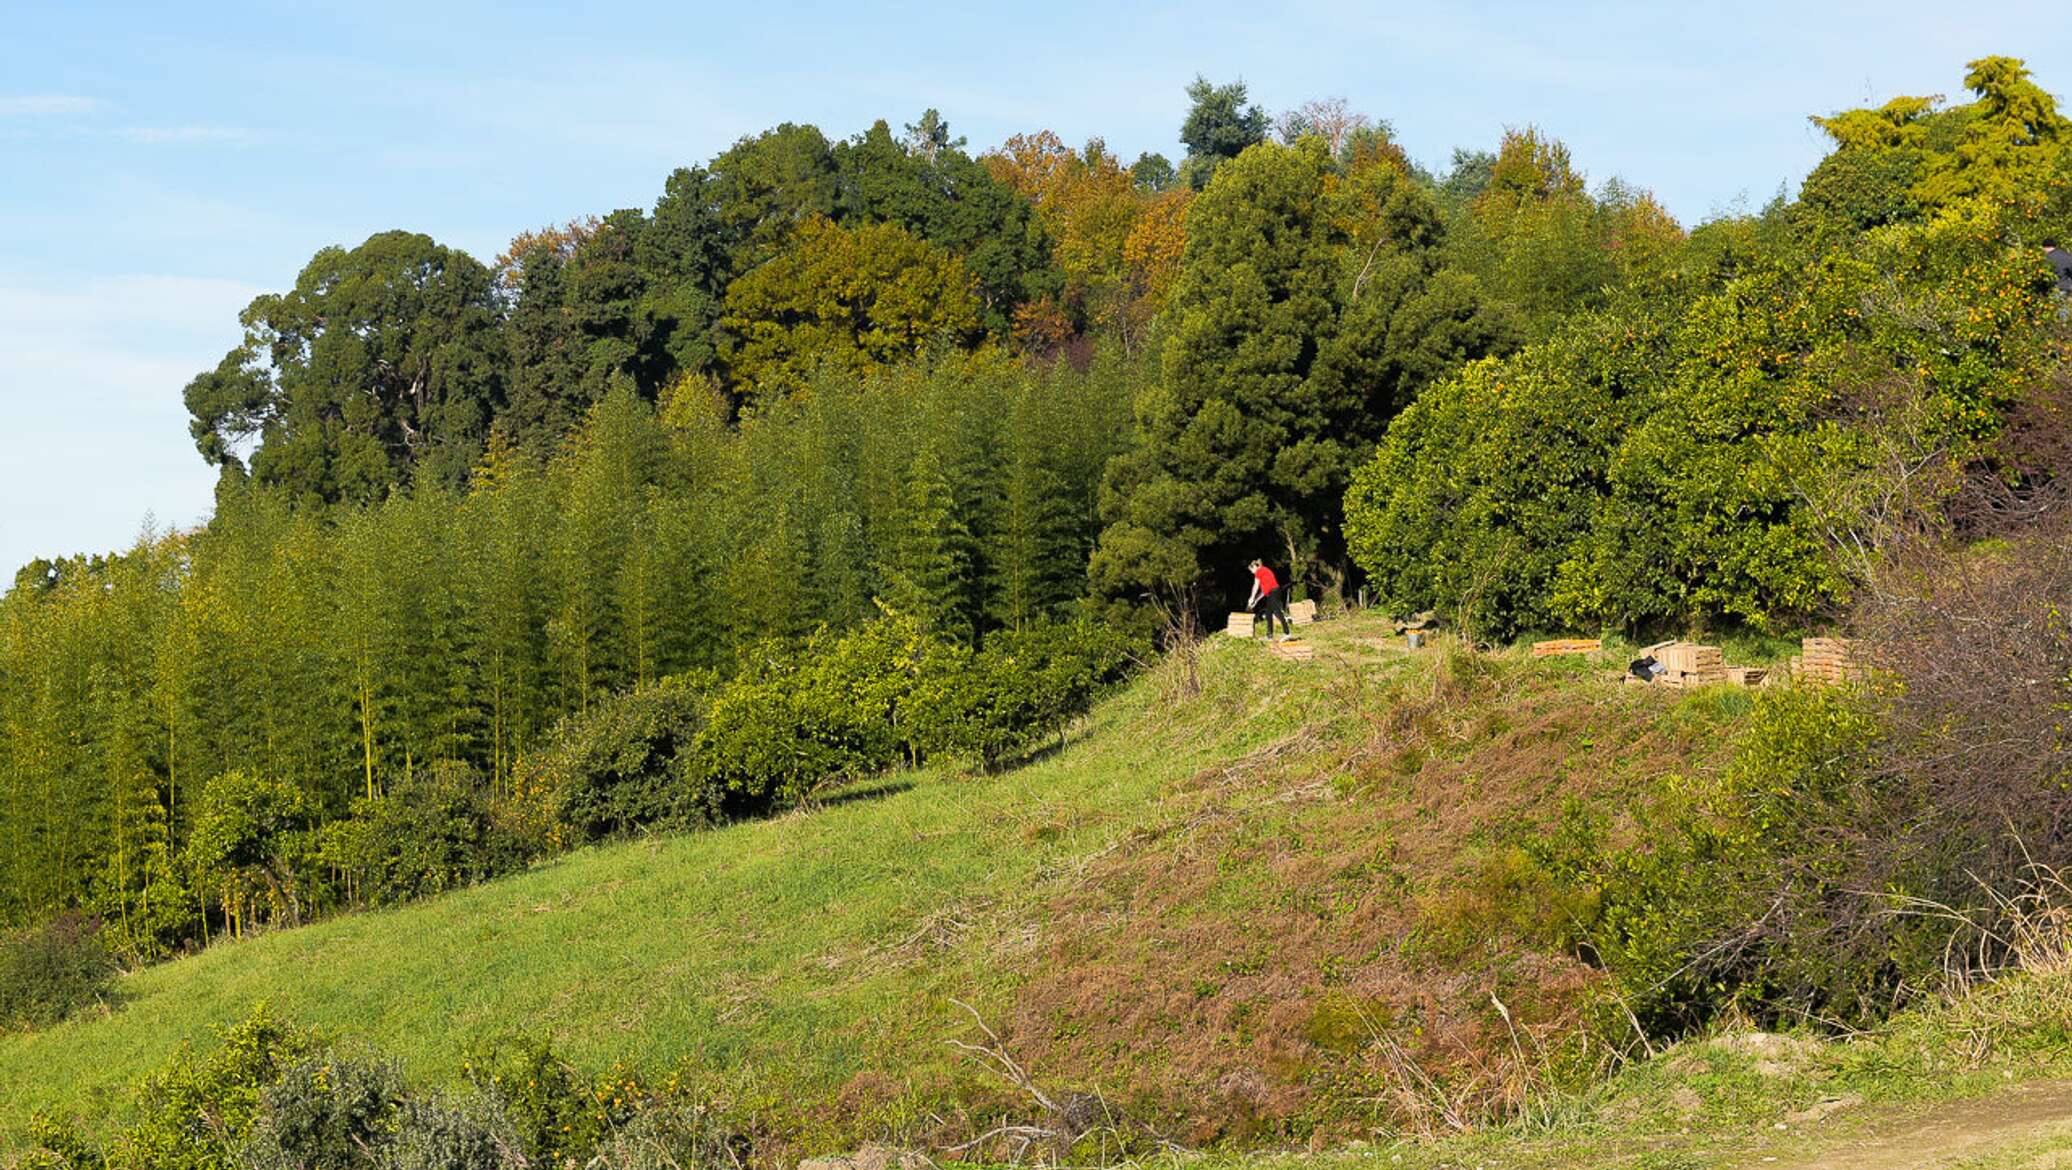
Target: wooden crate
(1302,613)
(1692,658)
(1239,625)
(1294,649)
(1566,646)
(1748,676)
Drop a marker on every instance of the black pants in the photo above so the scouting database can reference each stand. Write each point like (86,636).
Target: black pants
(1274,604)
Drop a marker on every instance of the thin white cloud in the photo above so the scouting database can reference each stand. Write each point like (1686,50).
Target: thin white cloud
(183,134)
(44,105)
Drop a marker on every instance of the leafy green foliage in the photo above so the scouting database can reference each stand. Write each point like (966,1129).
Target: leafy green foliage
(251,841)
(1909,157)
(843,299)
(1686,457)
(1219,126)
(382,362)
(1024,686)
(611,768)
(269,1096)
(1307,313)
(434,829)
(326,1110)
(198,1110)
(1732,893)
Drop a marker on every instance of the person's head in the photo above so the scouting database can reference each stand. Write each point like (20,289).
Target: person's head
(1254,566)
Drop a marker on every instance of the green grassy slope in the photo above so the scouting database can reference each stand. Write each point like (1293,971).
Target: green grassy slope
(1179,910)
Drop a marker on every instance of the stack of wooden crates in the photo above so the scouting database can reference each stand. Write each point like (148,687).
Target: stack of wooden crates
(1689,664)
(1826,660)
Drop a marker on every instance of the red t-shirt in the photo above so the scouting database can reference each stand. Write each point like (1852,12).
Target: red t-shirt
(1267,581)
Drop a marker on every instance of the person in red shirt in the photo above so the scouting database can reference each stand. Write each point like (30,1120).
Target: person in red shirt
(1269,599)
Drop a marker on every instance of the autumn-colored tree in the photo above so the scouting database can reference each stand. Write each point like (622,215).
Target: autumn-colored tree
(1089,205)
(557,240)
(1151,262)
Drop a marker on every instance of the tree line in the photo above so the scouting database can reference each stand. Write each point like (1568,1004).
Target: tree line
(821,382)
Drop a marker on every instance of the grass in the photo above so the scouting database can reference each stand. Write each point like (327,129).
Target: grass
(795,952)
(1252,915)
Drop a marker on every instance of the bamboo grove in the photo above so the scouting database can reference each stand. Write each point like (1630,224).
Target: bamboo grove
(338,652)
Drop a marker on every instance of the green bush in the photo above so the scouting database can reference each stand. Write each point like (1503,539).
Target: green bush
(433,830)
(1742,891)
(198,1112)
(345,1112)
(556,1114)
(1693,453)
(465,1133)
(154,914)
(329,1110)
(56,1145)
(268,1096)
(1857,189)
(611,769)
(1022,687)
(50,971)
(798,717)
(836,708)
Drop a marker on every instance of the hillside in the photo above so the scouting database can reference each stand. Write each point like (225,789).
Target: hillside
(1196,908)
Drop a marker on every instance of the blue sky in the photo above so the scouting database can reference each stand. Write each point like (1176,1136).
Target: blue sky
(159,166)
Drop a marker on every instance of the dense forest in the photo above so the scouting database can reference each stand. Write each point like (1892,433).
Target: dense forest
(649,472)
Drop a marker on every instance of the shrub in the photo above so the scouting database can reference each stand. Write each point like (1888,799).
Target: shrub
(270,1097)
(51,971)
(154,914)
(610,768)
(465,1133)
(436,829)
(56,1145)
(1022,687)
(198,1111)
(345,1112)
(672,1136)
(837,708)
(329,1110)
(1694,453)
(557,1114)
(1736,891)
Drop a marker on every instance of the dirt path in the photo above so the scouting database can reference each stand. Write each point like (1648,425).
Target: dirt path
(1948,1135)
